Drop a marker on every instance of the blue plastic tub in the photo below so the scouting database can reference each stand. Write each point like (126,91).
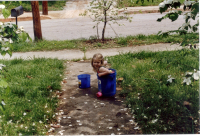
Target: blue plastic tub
(84,80)
(107,84)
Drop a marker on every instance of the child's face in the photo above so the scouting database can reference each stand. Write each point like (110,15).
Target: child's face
(96,63)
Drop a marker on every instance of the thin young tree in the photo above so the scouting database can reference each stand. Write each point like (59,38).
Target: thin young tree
(105,11)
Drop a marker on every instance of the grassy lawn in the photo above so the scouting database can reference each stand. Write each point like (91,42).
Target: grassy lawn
(52,5)
(160,106)
(31,101)
(93,43)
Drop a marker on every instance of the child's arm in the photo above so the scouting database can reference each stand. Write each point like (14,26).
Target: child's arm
(103,71)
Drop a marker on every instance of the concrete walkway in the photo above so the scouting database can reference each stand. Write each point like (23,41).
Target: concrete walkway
(77,54)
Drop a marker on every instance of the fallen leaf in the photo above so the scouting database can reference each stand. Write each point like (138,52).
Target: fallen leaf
(120,79)
(27,110)
(55,126)
(119,89)
(64,81)
(151,70)
(133,66)
(49,87)
(28,76)
(186,103)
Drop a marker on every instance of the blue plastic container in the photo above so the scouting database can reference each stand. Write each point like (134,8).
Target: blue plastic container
(107,84)
(84,81)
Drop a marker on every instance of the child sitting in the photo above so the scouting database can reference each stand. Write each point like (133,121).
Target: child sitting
(98,65)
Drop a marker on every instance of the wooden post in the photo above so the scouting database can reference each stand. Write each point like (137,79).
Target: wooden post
(36,20)
(45,7)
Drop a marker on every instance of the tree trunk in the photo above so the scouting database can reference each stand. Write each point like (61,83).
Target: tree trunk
(45,7)
(36,20)
(105,21)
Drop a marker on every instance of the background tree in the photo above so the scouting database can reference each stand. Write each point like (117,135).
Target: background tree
(105,11)
(192,8)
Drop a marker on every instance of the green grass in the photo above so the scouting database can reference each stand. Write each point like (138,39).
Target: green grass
(156,104)
(88,44)
(52,5)
(132,3)
(32,84)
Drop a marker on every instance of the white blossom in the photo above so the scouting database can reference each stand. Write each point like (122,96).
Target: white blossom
(162,5)
(170,79)
(24,113)
(5,48)
(176,1)
(154,121)
(196,74)
(187,3)
(10,40)
(21,28)
(187,80)
(168,1)
(2,6)
(1,23)
(2,102)
(18,31)
(188,73)
(1,66)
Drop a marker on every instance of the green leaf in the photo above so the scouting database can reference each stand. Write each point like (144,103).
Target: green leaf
(3,53)
(179,12)
(195,6)
(7,90)
(20,2)
(10,53)
(194,28)
(6,13)
(173,16)
(23,36)
(160,19)
(2,108)
(3,83)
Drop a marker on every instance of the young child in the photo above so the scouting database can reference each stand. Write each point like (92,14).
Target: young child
(98,65)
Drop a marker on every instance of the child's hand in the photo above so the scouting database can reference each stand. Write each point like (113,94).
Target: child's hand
(99,74)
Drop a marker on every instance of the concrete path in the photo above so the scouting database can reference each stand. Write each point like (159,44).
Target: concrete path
(77,54)
(80,112)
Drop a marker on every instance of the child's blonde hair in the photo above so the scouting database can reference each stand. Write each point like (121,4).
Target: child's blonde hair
(97,56)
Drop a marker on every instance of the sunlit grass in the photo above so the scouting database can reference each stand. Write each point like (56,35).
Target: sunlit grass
(88,44)
(31,103)
(158,105)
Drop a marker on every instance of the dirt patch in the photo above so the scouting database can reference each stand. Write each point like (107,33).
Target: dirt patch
(22,19)
(86,114)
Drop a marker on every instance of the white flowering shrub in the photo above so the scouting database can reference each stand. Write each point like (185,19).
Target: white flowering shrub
(192,13)
(9,33)
(105,11)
